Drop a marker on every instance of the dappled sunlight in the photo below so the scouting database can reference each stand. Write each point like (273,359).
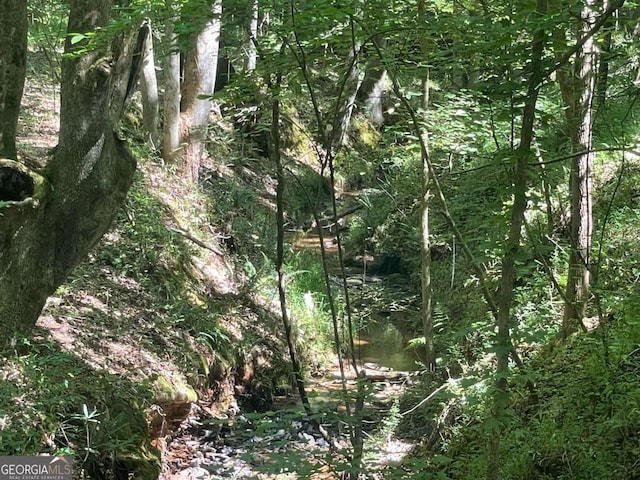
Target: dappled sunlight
(392,452)
(458,189)
(40,118)
(112,333)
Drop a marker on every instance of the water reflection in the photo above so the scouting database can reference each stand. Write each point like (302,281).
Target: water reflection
(382,343)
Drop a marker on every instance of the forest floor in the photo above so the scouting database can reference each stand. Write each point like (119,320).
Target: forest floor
(283,443)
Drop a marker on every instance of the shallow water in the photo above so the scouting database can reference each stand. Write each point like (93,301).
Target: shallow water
(380,342)
(383,344)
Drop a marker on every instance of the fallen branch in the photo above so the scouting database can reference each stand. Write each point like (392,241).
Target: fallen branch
(330,221)
(425,400)
(196,240)
(189,236)
(346,212)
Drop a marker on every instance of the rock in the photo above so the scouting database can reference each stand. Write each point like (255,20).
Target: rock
(173,392)
(307,437)
(138,462)
(387,265)
(193,473)
(258,459)
(173,404)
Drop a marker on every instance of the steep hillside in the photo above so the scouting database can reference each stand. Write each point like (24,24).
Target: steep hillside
(158,320)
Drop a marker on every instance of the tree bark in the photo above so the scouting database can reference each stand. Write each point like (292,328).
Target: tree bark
(345,101)
(171,124)
(149,89)
(602,76)
(425,244)
(252,51)
(577,84)
(425,266)
(199,79)
(13,61)
(371,92)
(47,231)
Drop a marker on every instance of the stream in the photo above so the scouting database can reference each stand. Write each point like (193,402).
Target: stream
(384,304)
(280,444)
(381,343)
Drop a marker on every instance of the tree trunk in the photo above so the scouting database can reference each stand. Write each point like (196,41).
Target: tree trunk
(577,86)
(345,98)
(425,244)
(171,124)
(55,219)
(602,76)
(374,84)
(13,61)
(346,102)
(149,89)
(276,157)
(503,345)
(371,92)
(252,51)
(199,79)
(425,270)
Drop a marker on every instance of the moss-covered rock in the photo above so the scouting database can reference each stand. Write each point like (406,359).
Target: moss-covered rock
(175,397)
(142,463)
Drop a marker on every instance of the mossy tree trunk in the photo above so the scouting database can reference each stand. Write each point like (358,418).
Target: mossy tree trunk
(13,61)
(50,222)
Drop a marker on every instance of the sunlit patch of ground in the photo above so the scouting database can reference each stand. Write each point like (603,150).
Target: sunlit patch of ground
(393,452)
(111,324)
(39,121)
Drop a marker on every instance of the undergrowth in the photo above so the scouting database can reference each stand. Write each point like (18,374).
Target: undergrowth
(580,421)
(46,396)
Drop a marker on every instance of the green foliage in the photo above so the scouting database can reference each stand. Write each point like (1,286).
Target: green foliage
(387,222)
(386,430)
(47,32)
(305,191)
(241,207)
(358,235)
(216,338)
(581,421)
(584,422)
(143,248)
(617,272)
(362,165)
(52,402)
(308,303)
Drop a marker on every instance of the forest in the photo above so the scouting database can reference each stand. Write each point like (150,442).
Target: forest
(315,239)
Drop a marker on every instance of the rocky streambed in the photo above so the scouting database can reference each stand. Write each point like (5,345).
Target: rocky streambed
(284,443)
